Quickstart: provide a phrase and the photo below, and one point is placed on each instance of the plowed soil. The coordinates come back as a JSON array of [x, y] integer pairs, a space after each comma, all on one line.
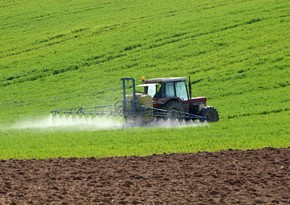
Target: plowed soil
[[227, 177]]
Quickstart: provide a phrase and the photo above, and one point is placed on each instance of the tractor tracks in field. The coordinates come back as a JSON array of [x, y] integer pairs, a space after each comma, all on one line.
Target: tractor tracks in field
[[259, 113], [130, 51], [159, 42]]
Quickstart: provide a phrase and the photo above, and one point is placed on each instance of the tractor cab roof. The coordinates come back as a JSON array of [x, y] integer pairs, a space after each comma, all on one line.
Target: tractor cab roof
[[162, 80]]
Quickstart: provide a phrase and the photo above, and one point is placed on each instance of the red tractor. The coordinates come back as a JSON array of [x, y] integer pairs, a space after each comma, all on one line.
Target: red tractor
[[167, 98]]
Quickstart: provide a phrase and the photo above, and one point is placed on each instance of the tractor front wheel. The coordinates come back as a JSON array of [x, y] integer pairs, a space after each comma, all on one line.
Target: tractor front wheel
[[210, 114]]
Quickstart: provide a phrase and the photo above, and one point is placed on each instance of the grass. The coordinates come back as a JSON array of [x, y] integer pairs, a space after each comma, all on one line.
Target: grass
[[66, 54]]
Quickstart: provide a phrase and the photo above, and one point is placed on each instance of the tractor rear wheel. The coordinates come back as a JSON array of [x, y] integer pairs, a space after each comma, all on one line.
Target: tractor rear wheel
[[175, 111], [210, 114]]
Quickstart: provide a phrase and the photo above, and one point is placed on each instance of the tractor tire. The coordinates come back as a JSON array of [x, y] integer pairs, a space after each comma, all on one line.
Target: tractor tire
[[175, 111], [210, 114]]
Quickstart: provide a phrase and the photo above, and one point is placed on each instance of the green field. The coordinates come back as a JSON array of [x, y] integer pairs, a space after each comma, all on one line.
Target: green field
[[69, 53]]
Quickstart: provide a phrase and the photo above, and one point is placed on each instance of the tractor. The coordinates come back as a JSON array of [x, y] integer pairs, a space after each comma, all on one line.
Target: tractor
[[166, 98], [159, 99]]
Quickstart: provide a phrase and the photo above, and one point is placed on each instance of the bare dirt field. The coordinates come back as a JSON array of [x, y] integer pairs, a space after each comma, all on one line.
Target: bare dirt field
[[227, 177]]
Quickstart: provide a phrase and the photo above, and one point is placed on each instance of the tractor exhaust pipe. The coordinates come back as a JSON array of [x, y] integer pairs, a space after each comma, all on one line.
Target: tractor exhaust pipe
[[189, 87]]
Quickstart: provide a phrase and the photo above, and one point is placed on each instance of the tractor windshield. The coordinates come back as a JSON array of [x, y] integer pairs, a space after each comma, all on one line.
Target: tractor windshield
[[176, 89], [181, 91]]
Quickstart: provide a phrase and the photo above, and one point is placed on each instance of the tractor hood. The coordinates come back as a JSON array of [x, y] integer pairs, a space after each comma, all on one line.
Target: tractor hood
[[198, 100]]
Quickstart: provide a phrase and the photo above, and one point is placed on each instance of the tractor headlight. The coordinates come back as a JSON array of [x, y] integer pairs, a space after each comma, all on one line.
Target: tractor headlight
[[201, 106]]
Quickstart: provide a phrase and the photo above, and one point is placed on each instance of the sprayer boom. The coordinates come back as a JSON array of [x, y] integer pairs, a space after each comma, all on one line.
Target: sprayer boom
[[105, 110]]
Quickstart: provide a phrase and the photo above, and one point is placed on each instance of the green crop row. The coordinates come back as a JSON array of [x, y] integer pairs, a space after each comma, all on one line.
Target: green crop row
[[250, 132], [67, 54]]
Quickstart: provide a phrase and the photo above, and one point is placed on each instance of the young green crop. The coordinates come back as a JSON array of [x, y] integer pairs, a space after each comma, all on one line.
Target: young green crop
[[247, 132], [69, 54]]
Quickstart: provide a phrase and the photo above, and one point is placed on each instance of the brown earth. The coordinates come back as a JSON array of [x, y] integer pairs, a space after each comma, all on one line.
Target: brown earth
[[227, 177]]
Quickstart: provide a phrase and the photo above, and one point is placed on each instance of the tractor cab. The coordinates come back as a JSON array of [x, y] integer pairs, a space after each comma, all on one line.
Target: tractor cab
[[174, 94], [163, 90], [166, 88]]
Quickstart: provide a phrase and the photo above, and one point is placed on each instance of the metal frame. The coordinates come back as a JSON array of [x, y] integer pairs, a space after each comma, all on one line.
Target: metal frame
[[134, 101]]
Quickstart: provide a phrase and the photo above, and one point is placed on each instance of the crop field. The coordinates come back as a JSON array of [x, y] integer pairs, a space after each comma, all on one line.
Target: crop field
[[47, 143], [64, 54]]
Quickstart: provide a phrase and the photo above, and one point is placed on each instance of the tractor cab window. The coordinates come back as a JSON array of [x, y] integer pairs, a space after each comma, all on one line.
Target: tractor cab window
[[181, 91], [151, 90], [169, 90], [158, 93], [176, 89]]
